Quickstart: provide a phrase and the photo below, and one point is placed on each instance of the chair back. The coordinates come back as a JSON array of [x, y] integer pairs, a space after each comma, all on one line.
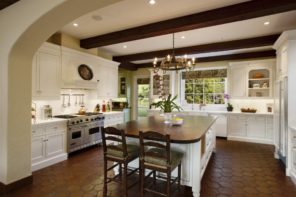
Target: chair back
[[152, 139], [111, 137]]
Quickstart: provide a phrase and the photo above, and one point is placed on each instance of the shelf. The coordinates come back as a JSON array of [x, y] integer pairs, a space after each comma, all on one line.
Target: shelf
[[259, 79], [258, 88]]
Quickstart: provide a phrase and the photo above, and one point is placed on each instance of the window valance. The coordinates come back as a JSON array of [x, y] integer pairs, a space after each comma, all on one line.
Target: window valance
[[204, 74]]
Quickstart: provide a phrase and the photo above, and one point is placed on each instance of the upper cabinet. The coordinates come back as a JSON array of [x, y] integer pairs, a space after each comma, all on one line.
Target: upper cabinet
[[251, 79], [46, 76]]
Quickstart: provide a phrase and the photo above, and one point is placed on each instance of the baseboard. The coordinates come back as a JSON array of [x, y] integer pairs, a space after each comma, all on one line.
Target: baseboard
[[4, 189], [49, 162], [244, 139], [293, 177]]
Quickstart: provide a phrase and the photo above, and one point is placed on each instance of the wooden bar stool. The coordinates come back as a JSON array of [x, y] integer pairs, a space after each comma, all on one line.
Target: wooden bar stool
[[121, 153], [156, 155]]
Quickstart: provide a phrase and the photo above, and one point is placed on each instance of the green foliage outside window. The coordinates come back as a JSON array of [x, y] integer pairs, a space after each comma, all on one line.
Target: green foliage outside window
[[205, 90]]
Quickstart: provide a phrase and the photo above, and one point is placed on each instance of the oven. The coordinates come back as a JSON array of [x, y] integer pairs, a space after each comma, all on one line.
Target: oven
[[75, 137], [93, 133]]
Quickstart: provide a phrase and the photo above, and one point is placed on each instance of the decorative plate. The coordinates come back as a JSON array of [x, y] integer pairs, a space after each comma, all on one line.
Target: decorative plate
[[85, 72]]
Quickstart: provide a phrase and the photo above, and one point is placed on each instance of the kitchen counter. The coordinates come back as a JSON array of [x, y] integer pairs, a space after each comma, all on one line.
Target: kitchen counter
[[52, 120]]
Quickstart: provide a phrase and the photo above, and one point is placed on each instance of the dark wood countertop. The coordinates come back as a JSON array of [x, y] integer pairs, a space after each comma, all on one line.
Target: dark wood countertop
[[192, 129]]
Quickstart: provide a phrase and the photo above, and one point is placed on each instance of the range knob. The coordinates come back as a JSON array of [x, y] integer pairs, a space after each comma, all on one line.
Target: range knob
[[81, 120], [73, 122], [86, 119], [91, 119], [77, 121]]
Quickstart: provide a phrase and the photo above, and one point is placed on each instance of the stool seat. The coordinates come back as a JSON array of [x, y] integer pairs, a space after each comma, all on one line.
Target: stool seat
[[133, 151], [176, 158]]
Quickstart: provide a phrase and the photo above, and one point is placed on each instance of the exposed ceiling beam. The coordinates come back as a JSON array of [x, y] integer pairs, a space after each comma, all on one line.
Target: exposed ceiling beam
[[239, 56], [233, 13], [6, 3], [206, 48], [128, 66]]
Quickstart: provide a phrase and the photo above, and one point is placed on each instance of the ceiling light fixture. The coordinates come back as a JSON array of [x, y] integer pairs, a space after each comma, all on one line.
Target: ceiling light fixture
[[124, 46], [172, 63], [152, 2], [183, 37], [75, 24], [266, 23]]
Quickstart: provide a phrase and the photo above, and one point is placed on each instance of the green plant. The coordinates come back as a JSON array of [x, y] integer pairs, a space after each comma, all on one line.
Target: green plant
[[229, 105], [167, 104]]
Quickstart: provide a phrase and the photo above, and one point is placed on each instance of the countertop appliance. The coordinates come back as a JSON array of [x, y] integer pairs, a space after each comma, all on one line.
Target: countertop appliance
[[83, 130]]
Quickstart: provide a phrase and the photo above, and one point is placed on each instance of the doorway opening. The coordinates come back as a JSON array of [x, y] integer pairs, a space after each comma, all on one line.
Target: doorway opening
[[143, 100]]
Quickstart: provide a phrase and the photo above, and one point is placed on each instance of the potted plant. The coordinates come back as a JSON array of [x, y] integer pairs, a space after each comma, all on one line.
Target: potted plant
[[229, 106], [167, 105]]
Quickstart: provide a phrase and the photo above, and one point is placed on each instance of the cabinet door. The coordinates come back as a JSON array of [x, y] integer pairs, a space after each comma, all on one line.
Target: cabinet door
[[238, 82], [236, 125], [49, 74], [38, 149], [269, 128], [256, 127], [294, 159], [108, 82], [55, 144], [220, 125]]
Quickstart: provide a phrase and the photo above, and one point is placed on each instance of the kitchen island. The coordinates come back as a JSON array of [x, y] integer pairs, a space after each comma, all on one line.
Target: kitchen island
[[194, 138]]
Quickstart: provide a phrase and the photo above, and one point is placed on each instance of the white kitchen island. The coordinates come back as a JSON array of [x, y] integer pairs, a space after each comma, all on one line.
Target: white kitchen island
[[194, 138]]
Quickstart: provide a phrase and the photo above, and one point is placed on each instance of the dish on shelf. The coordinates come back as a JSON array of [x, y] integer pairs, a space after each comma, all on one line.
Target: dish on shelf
[[248, 110], [258, 75]]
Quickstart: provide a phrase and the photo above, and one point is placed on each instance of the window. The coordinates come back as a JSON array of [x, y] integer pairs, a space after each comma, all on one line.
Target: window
[[206, 87]]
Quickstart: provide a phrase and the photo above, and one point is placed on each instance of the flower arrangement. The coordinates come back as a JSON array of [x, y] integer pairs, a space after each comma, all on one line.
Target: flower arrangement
[[229, 105]]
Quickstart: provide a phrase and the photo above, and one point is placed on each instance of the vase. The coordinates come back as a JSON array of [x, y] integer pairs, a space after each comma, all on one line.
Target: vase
[[229, 108], [167, 118]]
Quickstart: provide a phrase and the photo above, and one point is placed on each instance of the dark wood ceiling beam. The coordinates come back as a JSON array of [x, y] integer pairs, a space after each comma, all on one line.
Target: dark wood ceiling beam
[[6, 3], [239, 56], [128, 66], [206, 48], [233, 13]]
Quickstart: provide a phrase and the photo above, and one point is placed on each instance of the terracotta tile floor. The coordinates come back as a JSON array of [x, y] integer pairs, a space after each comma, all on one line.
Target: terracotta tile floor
[[237, 169]]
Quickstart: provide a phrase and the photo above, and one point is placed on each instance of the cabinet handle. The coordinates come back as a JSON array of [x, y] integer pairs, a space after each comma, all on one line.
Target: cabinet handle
[[55, 127]]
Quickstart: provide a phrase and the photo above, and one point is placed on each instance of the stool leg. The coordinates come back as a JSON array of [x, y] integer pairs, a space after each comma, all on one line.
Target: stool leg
[[168, 183], [142, 176], [105, 178], [120, 170], [179, 177], [125, 180], [154, 177]]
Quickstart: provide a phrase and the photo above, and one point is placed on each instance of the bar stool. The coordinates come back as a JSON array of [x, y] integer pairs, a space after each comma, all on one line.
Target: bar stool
[[156, 155], [121, 153]]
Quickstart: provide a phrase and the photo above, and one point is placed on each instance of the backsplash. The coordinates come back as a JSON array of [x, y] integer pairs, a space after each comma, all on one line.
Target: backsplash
[[89, 99]]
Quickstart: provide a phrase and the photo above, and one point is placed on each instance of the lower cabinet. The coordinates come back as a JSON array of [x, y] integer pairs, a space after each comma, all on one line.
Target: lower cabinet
[[220, 125], [292, 148], [250, 128], [48, 144]]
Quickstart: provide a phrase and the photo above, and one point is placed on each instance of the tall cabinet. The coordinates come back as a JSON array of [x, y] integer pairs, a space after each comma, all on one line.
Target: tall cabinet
[[284, 120]]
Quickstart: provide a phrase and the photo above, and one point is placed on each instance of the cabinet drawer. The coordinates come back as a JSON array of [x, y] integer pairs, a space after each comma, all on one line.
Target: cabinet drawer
[[294, 158], [37, 130], [54, 128]]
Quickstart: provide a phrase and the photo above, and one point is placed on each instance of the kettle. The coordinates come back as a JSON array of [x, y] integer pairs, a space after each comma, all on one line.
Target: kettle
[[81, 110]]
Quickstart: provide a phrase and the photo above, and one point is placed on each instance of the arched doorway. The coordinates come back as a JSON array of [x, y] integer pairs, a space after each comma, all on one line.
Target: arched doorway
[[24, 27]]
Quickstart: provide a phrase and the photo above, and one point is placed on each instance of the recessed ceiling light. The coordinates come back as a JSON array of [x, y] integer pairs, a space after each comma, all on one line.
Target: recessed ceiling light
[[75, 24], [96, 17], [183, 37], [124, 46], [266, 23], [152, 2]]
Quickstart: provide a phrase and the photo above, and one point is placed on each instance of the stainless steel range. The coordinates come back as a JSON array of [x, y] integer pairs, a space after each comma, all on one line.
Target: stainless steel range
[[83, 130]]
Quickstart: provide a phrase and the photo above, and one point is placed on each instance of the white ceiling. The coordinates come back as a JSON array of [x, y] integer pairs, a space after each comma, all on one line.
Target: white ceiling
[[132, 13]]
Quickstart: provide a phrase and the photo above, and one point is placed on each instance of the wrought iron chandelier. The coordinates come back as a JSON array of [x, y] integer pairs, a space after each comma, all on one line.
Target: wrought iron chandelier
[[173, 63]]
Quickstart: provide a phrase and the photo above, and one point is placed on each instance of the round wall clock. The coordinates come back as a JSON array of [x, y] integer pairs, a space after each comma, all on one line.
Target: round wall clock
[[85, 72]]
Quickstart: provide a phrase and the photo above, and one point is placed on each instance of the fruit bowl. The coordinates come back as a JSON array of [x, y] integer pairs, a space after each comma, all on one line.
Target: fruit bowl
[[177, 121], [248, 110]]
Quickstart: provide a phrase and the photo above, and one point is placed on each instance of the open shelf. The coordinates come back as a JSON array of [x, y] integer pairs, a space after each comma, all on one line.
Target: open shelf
[[259, 83]]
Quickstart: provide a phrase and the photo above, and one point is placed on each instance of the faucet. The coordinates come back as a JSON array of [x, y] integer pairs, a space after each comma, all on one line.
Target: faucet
[[201, 105]]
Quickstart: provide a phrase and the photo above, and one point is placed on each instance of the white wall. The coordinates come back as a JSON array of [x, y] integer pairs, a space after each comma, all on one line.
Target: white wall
[[26, 25]]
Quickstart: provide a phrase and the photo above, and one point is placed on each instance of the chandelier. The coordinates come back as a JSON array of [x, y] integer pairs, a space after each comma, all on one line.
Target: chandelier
[[173, 63]]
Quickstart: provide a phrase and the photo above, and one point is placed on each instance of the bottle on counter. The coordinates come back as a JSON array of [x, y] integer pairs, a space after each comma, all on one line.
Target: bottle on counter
[[46, 112], [97, 108], [104, 107], [108, 107]]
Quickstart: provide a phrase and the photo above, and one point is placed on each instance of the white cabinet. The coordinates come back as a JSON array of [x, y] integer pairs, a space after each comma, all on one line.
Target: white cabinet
[[250, 128], [251, 79], [237, 81], [237, 125], [48, 144], [107, 76], [220, 125], [113, 118], [46, 76]]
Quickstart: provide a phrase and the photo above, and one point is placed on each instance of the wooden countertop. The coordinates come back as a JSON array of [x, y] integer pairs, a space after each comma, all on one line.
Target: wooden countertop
[[192, 129]]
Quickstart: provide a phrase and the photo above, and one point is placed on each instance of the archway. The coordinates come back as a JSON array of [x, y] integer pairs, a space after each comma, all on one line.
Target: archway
[[24, 27]]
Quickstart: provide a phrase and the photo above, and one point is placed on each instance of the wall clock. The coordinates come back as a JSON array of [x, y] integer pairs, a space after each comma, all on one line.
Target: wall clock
[[85, 72]]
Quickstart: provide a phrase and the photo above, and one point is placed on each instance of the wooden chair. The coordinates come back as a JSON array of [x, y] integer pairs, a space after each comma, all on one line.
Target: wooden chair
[[156, 155], [120, 153]]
